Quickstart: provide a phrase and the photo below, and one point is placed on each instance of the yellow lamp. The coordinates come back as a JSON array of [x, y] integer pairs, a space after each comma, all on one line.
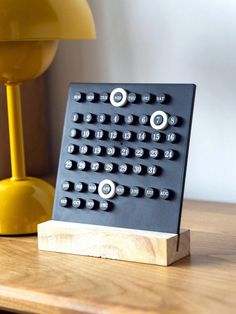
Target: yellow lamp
[[29, 34]]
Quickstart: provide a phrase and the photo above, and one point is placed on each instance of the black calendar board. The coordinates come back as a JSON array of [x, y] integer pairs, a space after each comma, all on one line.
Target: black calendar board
[[124, 154]]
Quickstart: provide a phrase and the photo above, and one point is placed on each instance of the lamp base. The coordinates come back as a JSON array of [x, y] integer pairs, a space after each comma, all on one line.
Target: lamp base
[[24, 204]]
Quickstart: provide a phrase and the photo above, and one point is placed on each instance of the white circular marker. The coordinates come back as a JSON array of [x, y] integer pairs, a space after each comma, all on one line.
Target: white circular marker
[[123, 97], [159, 120], [107, 189]]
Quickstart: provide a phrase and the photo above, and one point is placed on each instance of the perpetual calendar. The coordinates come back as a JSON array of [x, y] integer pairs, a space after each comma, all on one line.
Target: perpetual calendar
[[124, 154]]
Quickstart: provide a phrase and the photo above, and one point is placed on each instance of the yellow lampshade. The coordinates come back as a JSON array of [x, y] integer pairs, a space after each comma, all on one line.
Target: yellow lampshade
[[45, 20]]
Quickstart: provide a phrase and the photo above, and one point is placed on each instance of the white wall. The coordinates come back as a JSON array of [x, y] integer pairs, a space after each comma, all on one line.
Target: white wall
[[189, 41]]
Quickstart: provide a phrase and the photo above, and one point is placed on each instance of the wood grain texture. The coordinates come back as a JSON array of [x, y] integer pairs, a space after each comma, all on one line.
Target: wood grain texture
[[114, 243], [33, 281], [36, 130]]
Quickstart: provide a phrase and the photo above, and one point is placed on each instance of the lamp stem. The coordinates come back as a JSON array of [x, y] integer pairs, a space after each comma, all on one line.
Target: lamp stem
[[15, 131]]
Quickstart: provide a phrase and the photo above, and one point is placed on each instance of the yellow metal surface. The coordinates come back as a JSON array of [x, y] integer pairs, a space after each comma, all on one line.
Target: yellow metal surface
[[45, 19], [24, 202], [15, 132], [21, 61], [23, 205]]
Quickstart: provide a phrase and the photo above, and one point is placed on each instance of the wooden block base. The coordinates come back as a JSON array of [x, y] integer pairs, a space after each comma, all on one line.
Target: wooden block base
[[114, 243]]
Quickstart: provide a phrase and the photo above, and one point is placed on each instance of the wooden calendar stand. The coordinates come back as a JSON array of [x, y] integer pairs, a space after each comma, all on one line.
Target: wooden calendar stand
[[114, 243]]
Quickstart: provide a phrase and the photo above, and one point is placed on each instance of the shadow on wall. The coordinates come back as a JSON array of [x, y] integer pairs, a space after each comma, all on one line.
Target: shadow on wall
[[123, 53]]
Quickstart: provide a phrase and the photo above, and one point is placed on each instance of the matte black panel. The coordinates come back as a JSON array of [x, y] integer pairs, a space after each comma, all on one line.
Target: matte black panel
[[142, 212]]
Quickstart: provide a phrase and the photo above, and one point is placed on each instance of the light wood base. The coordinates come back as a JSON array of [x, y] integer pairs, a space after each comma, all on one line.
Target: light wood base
[[114, 243]]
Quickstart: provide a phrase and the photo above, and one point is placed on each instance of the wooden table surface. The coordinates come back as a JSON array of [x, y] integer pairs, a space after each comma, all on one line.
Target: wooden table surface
[[42, 282]]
